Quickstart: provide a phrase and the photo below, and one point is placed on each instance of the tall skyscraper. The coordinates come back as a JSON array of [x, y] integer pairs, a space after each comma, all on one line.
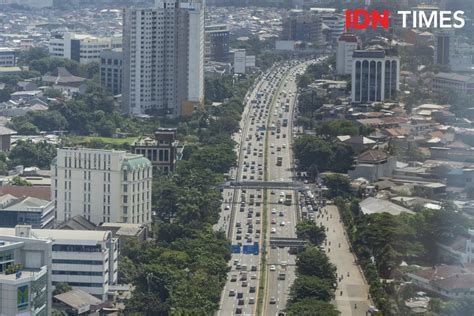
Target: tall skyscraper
[[163, 58], [301, 25], [346, 45], [375, 76], [217, 43], [443, 47]]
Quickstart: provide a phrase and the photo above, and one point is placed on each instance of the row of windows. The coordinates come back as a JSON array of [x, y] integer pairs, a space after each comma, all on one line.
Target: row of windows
[[84, 284], [77, 248], [59, 272], [85, 262]]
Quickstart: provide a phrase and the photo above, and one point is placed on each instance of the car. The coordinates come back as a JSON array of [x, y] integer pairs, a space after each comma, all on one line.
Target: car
[[244, 284], [253, 277], [273, 231], [273, 300], [227, 207], [281, 201], [232, 293], [272, 267], [253, 268], [233, 278], [282, 223], [241, 302], [251, 300], [240, 295], [238, 311], [274, 221], [274, 211]]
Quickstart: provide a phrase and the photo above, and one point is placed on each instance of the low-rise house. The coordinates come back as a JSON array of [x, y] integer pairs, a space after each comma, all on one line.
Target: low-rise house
[[372, 205], [373, 165], [449, 281], [26, 210], [358, 143], [64, 81], [5, 138]]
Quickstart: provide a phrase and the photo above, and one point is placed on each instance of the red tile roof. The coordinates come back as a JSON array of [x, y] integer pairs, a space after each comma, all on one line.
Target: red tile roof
[[40, 192]]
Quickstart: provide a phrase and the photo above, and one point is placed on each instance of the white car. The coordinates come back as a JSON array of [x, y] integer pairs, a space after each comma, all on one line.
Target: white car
[[273, 231], [274, 211], [282, 223], [272, 268]]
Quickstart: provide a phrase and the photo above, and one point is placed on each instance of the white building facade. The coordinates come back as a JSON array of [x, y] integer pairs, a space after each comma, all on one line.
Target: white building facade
[[82, 48], [375, 76], [7, 57], [102, 186], [163, 51], [346, 46], [86, 260], [28, 290]]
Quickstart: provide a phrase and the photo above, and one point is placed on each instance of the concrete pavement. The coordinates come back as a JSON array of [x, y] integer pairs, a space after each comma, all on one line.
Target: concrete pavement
[[355, 291]]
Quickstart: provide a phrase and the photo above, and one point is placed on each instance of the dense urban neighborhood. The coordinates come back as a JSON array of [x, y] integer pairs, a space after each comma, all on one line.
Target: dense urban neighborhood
[[224, 157]]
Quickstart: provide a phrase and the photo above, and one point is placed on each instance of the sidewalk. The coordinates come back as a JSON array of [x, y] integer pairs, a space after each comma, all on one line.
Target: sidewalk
[[355, 291]]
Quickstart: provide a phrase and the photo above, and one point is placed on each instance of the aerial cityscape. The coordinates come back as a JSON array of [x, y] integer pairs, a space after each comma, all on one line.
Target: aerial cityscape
[[237, 157]]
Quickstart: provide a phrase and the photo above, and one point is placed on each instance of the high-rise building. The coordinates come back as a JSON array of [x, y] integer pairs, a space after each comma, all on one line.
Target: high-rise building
[[111, 70], [83, 48], [101, 185], [301, 25], [375, 76], [443, 47], [346, 46], [25, 273], [217, 43], [163, 58]]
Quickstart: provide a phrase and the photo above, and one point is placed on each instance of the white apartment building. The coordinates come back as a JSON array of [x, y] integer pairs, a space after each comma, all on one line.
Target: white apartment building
[[82, 48], [101, 185], [86, 260], [163, 58], [27, 290], [346, 46]]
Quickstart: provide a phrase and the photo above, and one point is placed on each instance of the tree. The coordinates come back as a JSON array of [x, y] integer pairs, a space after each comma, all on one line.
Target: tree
[[19, 181], [61, 287], [311, 287], [26, 128], [314, 262], [313, 307], [309, 230], [338, 185], [29, 154]]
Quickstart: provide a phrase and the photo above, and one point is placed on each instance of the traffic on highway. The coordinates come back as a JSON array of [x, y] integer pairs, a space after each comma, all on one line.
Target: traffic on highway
[[250, 216]]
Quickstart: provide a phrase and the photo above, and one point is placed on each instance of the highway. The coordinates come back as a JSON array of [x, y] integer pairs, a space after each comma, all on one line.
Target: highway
[[264, 136]]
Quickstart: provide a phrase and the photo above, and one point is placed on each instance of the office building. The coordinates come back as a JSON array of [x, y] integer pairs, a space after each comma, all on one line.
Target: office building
[[242, 61], [217, 43], [101, 185], [83, 48], [375, 76], [25, 273], [452, 82], [163, 150], [111, 70], [301, 25], [163, 58], [26, 210], [346, 46], [443, 47], [7, 57], [86, 260]]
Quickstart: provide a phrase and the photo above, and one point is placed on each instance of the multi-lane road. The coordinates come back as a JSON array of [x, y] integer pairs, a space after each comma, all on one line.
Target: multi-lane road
[[265, 138]]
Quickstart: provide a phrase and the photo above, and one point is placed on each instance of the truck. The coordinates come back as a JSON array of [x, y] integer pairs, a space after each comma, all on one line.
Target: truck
[[279, 161], [281, 275], [288, 199]]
